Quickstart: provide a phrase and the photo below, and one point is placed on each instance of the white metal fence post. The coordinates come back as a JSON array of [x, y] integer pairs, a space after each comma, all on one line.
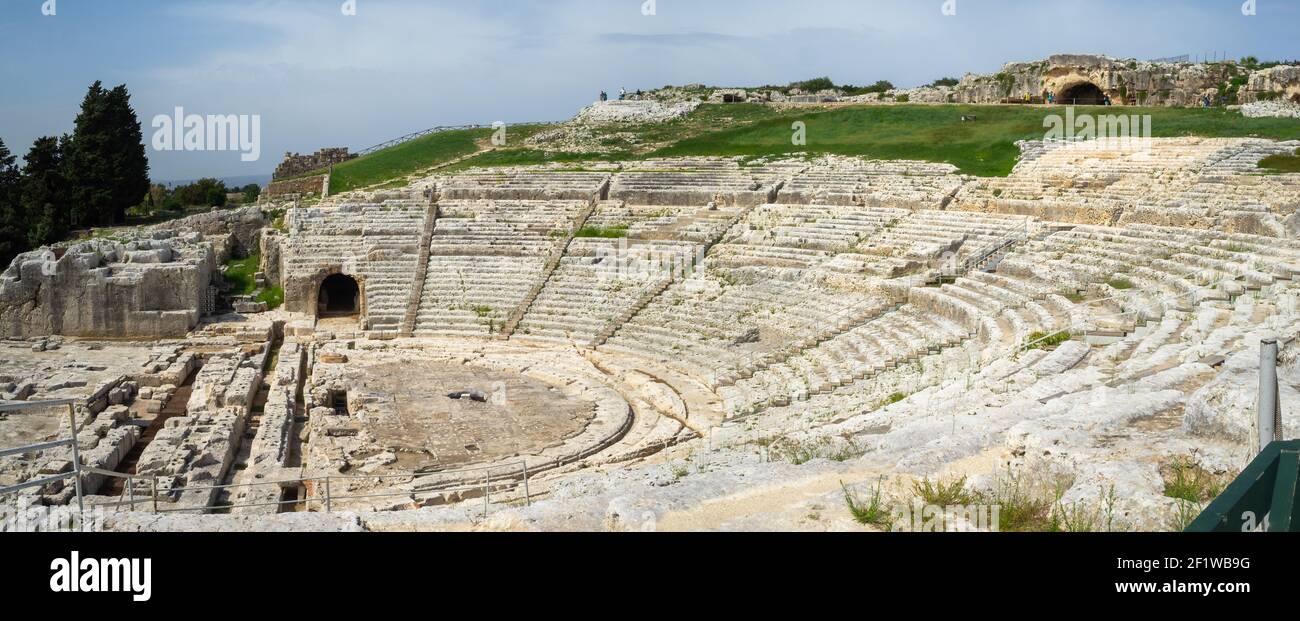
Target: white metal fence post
[[76, 469], [1269, 413]]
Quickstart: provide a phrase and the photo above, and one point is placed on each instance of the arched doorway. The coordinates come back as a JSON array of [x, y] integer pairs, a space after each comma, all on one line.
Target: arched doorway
[[339, 296], [1082, 94]]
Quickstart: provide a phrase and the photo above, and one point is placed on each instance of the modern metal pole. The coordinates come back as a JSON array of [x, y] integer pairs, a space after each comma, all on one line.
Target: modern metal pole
[[76, 469], [1269, 423]]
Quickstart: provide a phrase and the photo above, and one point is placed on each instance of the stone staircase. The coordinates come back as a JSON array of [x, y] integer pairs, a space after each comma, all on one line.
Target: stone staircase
[[609, 331], [552, 262], [421, 270], [613, 325]]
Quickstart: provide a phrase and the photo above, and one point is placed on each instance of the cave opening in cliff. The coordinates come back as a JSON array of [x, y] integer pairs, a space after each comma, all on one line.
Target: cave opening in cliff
[[1082, 94]]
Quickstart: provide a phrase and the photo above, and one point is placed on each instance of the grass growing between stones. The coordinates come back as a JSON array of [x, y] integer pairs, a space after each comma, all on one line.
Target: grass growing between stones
[[869, 510], [1281, 163], [1042, 340], [239, 275], [611, 232], [273, 296]]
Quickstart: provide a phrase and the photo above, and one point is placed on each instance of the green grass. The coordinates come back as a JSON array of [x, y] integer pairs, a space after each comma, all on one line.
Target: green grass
[[1281, 163], [943, 494], [273, 296], [612, 232], [1042, 340], [533, 157], [405, 159], [870, 511], [1120, 283], [985, 147], [239, 273], [935, 133], [1186, 480]]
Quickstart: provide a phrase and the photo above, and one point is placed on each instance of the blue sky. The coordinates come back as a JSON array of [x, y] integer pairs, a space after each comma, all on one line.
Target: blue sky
[[321, 78]]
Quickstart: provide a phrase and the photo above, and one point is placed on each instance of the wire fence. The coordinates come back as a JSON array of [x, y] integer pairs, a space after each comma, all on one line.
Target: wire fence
[[441, 129]]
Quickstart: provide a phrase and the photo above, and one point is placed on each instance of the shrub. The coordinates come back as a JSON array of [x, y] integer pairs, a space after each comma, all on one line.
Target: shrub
[[870, 511]]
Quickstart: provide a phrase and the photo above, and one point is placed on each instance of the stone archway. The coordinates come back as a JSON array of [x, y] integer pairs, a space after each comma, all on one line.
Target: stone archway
[[1081, 94], [339, 295]]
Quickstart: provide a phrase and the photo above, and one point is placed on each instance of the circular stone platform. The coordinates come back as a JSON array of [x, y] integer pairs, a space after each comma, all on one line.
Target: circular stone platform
[[383, 411], [427, 428]]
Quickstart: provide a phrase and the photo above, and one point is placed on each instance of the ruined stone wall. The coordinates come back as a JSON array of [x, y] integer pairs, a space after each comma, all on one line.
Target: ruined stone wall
[[244, 225], [306, 185], [295, 164], [150, 288]]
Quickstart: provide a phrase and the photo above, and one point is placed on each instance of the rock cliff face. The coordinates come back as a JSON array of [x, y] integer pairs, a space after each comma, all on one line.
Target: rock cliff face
[[1086, 79], [151, 287]]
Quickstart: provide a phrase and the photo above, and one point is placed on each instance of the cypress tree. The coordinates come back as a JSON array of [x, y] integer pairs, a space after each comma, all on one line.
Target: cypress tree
[[88, 161], [131, 165], [13, 223], [44, 199], [106, 162]]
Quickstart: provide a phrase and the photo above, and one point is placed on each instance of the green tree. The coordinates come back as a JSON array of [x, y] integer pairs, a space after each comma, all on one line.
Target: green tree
[[106, 161], [44, 201], [251, 192], [131, 171], [205, 192], [13, 223]]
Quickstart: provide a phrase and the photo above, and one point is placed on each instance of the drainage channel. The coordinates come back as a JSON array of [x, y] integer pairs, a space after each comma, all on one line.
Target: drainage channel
[[176, 407]]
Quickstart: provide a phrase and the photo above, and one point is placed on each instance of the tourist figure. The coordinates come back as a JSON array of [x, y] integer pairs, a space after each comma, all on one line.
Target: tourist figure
[[622, 94], [604, 96]]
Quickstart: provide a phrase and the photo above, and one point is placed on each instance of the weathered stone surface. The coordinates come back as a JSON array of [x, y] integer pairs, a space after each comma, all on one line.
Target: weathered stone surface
[[92, 289]]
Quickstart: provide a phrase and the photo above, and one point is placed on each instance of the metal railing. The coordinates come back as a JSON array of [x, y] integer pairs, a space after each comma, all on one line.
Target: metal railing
[[74, 473], [320, 489], [440, 129], [1003, 244]]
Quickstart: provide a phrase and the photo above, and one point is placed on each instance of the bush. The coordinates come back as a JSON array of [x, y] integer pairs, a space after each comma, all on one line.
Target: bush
[[814, 85], [880, 86], [204, 192]]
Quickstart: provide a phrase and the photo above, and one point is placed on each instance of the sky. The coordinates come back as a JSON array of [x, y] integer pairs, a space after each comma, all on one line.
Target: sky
[[317, 77]]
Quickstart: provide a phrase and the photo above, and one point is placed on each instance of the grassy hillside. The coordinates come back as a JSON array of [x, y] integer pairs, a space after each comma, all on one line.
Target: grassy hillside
[[985, 147], [405, 158]]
